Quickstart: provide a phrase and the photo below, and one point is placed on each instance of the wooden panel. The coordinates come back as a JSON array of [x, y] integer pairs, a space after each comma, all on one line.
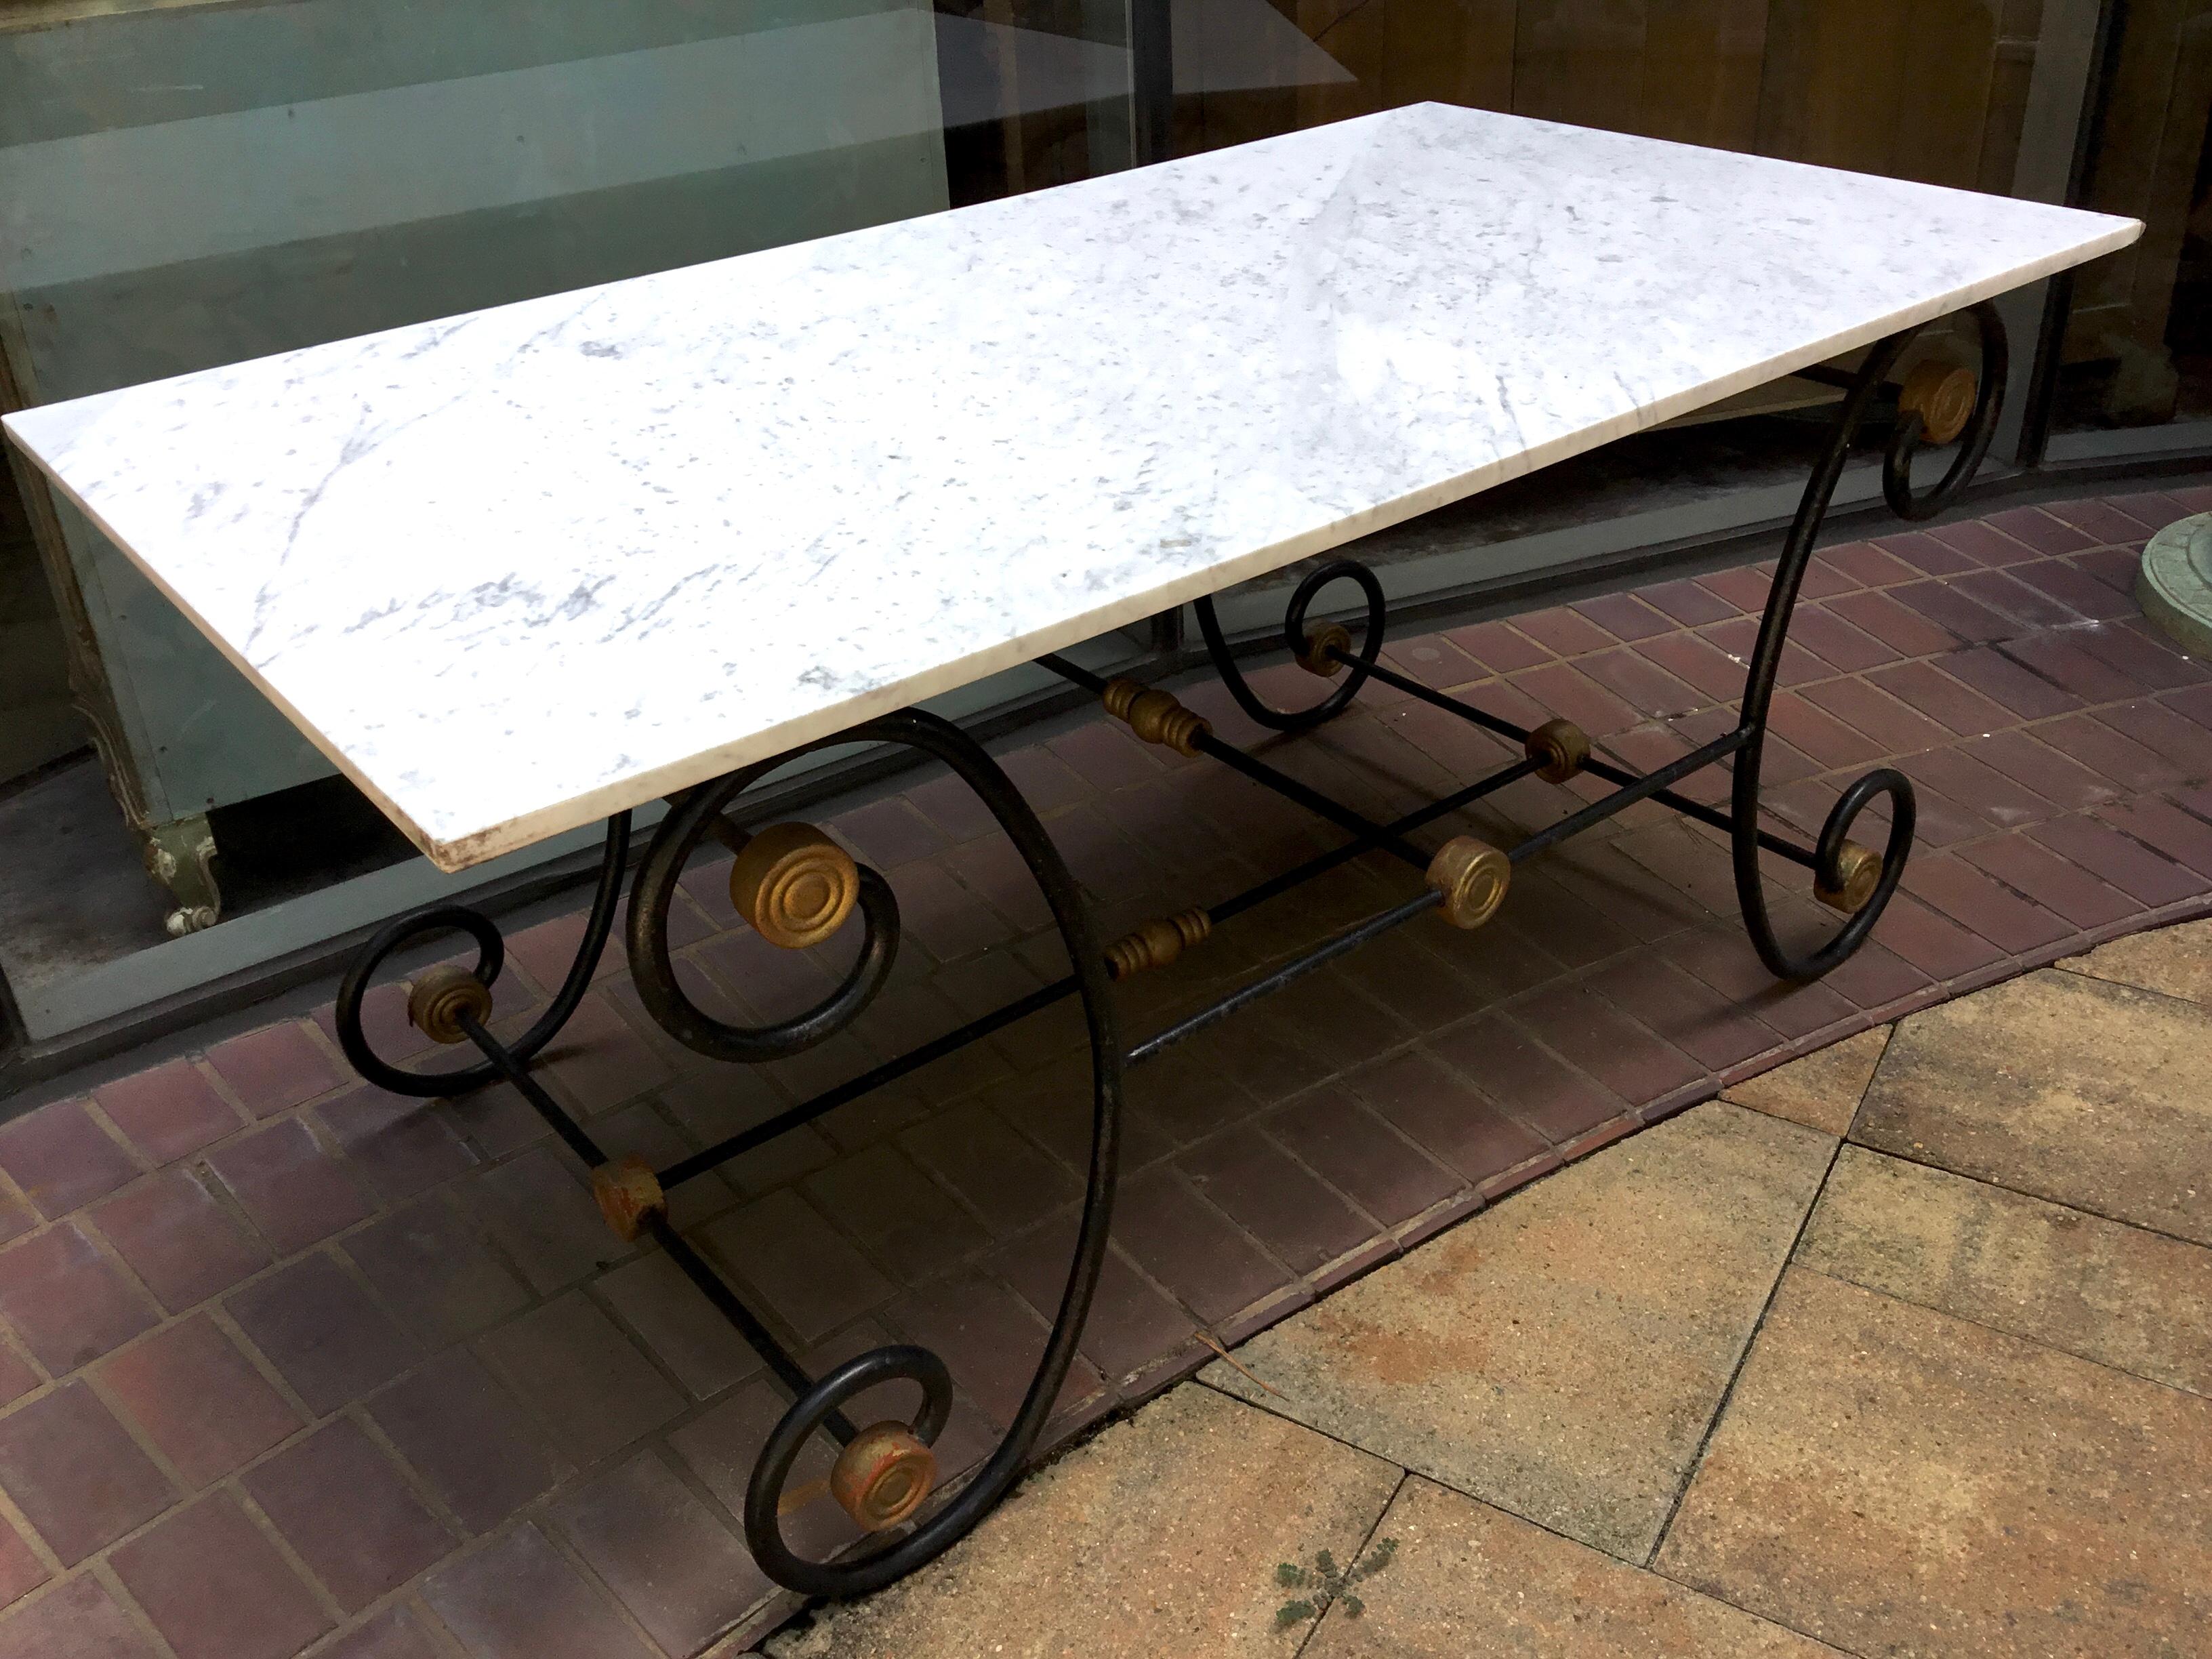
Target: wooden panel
[[1041, 146], [1944, 75], [1686, 69], [1897, 87], [1355, 33], [1831, 93], [1580, 61], [1456, 51], [1318, 17], [1225, 35], [2010, 77], [1702, 65], [2172, 183]]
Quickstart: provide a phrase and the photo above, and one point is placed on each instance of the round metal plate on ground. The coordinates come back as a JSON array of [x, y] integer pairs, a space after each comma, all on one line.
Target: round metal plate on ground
[[2175, 583]]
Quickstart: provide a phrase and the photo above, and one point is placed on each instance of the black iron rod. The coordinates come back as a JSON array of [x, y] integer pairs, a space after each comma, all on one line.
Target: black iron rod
[[1844, 377], [1329, 860], [1073, 673], [711, 1285], [1705, 814], [1649, 783], [891, 1071], [711, 1158], [508, 1067], [1376, 835], [1429, 694], [695, 1268], [1319, 957], [1368, 836], [1605, 769]]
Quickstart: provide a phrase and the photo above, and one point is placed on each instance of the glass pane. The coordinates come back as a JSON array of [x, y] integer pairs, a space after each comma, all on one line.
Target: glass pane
[[186, 186], [1036, 91], [2137, 350]]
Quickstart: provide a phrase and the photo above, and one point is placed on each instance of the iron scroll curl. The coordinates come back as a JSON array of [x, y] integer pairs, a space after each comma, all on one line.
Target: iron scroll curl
[[654, 970], [491, 956], [1312, 650], [1973, 442]]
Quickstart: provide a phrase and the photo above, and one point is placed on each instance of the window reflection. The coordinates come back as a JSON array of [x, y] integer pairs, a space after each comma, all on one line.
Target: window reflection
[[2138, 348], [1932, 90]]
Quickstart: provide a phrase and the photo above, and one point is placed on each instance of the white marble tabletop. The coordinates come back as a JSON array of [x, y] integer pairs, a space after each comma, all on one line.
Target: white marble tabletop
[[519, 570]]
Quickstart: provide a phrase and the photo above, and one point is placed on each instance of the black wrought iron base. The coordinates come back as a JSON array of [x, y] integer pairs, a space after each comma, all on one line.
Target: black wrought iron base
[[796, 887]]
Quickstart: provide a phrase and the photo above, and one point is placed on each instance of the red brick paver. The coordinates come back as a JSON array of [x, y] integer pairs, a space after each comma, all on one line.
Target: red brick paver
[[285, 1361]]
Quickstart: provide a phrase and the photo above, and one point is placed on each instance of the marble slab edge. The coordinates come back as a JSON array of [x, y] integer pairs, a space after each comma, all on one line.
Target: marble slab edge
[[460, 853]]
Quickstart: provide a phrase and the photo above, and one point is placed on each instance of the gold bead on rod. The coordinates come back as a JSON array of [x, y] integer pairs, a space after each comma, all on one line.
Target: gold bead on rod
[[1157, 943], [1155, 716], [1318, 657], [883, 1476], [1473, 876], [1943, 395], [1858, 869], [1562, 746], [438, 997], [627, 1192], [793, 884]]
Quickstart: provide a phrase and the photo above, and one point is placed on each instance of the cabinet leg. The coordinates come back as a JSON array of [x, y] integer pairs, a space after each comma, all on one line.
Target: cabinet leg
[[180, 855]]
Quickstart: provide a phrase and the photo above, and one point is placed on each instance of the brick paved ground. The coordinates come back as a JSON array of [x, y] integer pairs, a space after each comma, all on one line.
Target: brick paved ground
[[1905, 1347], [294, 1367]]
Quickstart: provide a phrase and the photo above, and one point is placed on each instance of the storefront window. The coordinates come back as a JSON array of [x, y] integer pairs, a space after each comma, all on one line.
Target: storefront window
[[2137, 346], [187, 185]]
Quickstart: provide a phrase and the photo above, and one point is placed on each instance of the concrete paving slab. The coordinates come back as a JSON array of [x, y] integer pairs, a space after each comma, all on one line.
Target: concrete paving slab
[[1158, 1539], [2089, 1094], [1561, 1354], [2100, 1289], [1822, 1089], [1469, 1581], [2175, 960], [1898, 1482]]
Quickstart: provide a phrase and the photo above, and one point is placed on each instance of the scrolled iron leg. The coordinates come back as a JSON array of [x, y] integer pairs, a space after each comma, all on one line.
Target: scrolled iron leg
[[794, 887], [1847, 876], [883, 1475]]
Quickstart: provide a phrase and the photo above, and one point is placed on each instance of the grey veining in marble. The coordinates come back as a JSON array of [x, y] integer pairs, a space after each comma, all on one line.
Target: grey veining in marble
[[518, 569]]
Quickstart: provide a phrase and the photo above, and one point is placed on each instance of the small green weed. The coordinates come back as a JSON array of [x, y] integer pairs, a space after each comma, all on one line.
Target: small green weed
[[1324, 1582]]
